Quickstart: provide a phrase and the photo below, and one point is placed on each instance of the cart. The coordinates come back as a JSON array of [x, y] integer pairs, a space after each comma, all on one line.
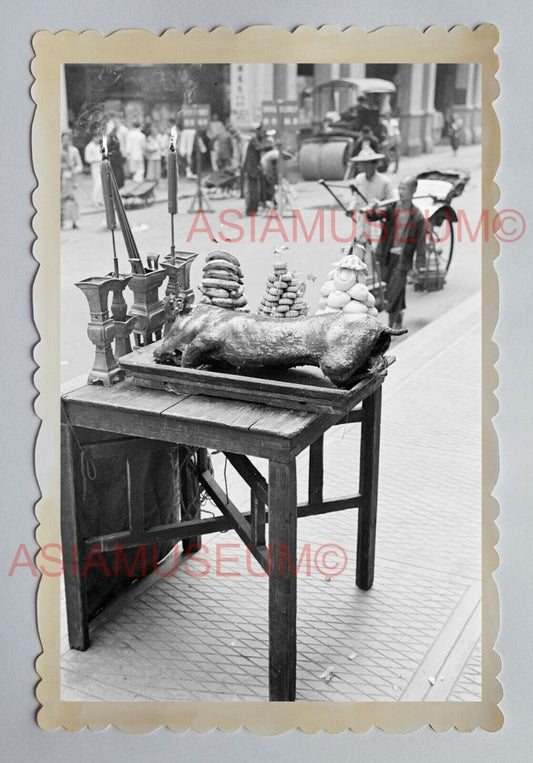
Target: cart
[[434, 194], [141, 194], [223, 183]]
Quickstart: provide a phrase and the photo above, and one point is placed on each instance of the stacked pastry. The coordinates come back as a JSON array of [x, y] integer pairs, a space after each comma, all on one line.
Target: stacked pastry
[[345, 289], [283, 297], [223, 282]]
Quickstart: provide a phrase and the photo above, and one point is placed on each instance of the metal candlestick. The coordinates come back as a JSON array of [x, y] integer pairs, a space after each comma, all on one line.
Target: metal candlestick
[[123, 324], [147, 309], [101, 329], [177, 266]]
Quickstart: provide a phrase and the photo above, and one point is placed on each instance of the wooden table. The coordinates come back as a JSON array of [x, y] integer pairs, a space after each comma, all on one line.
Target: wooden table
[[239, 429]]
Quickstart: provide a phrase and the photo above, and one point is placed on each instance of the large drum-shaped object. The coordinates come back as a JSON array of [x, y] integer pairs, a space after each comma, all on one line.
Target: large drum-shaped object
[[325, 159], [309, 159]]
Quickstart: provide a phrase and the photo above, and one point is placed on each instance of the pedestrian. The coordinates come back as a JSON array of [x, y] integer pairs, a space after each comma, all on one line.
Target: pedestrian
[[236, 140], [185, 149], [215, 128], [201, 153], [71, 166], [223, 149], [369, 187], [135, 148], [252, 170], [115, 155], [269, 169], [93, 157], [366, 140], [153, 154], [402, 246], [454, 132]]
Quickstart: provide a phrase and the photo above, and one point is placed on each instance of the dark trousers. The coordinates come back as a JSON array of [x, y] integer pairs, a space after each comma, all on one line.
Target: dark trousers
[[252, 193]]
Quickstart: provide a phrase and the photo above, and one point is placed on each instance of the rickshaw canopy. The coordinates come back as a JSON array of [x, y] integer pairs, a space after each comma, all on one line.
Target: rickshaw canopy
[[362, 84], [342, 95]]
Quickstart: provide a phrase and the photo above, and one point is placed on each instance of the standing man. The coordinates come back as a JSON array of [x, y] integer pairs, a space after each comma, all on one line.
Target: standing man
[[215, 128], [401, 246], [366, 140], [71, 165], [252, 170], [93, 156], [224, 149], [369, 187], [135, 150]]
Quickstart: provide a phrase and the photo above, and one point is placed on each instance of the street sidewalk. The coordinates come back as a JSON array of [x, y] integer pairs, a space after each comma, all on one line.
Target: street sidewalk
[[414, 636]]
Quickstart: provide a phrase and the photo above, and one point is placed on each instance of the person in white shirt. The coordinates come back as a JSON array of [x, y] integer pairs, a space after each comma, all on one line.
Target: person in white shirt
[[71, 166], [135, 150], [369, 187], [153, 154], [93, 156]]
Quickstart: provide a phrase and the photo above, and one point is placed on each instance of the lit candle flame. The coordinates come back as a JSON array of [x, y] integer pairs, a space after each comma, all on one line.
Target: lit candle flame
[[104, 146], [173, 138]]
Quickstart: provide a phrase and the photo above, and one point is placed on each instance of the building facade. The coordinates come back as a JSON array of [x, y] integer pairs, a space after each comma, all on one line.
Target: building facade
[[427, 95]]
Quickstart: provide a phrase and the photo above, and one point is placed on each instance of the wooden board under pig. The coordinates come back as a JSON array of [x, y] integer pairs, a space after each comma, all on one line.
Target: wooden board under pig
[[303, 388]]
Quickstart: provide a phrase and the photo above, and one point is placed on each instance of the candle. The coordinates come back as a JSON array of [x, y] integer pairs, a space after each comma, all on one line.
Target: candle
[[172, 173], [105, 173]]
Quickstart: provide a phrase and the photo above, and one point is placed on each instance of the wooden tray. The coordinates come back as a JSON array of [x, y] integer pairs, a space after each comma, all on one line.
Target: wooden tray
[[304, 388]]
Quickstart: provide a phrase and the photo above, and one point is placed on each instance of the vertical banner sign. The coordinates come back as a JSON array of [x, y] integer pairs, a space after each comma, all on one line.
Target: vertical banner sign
[[196, 116], [269, 115], [281, 116], [287, 116]]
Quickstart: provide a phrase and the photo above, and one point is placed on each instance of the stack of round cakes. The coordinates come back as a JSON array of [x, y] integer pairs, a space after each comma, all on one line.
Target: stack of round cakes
[[223, 282], [345, 289], [283, 297]]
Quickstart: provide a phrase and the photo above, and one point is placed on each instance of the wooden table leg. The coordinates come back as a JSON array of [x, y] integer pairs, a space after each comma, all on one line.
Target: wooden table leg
[[282, 581], [368, 488], [190, 500], [316, 470], [72, 543]]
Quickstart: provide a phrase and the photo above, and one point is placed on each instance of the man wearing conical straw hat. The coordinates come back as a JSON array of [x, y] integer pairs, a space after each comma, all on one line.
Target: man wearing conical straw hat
[[369, 187]]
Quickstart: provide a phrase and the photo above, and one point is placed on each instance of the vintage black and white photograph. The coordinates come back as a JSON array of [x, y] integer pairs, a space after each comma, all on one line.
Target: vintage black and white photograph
[[273, 443], [271, 403]]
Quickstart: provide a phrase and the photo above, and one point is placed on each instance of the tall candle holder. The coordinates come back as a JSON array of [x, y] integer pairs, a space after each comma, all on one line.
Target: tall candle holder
[[101, 329], [147, 309], [123, 323], [179, 294]]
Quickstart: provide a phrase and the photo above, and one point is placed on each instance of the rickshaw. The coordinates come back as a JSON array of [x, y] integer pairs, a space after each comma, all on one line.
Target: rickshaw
[[435, 192], [341, 107]]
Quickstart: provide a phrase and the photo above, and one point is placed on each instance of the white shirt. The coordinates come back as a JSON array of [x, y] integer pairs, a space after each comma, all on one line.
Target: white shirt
[[374, 190], [135, 143]]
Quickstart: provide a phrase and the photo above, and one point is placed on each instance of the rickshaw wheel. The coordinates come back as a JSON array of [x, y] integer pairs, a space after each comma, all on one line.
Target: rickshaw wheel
[[440, 238], [439, 249]]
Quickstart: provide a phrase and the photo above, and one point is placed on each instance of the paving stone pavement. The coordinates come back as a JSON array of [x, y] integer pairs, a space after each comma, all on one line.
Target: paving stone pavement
[[201, 632]]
